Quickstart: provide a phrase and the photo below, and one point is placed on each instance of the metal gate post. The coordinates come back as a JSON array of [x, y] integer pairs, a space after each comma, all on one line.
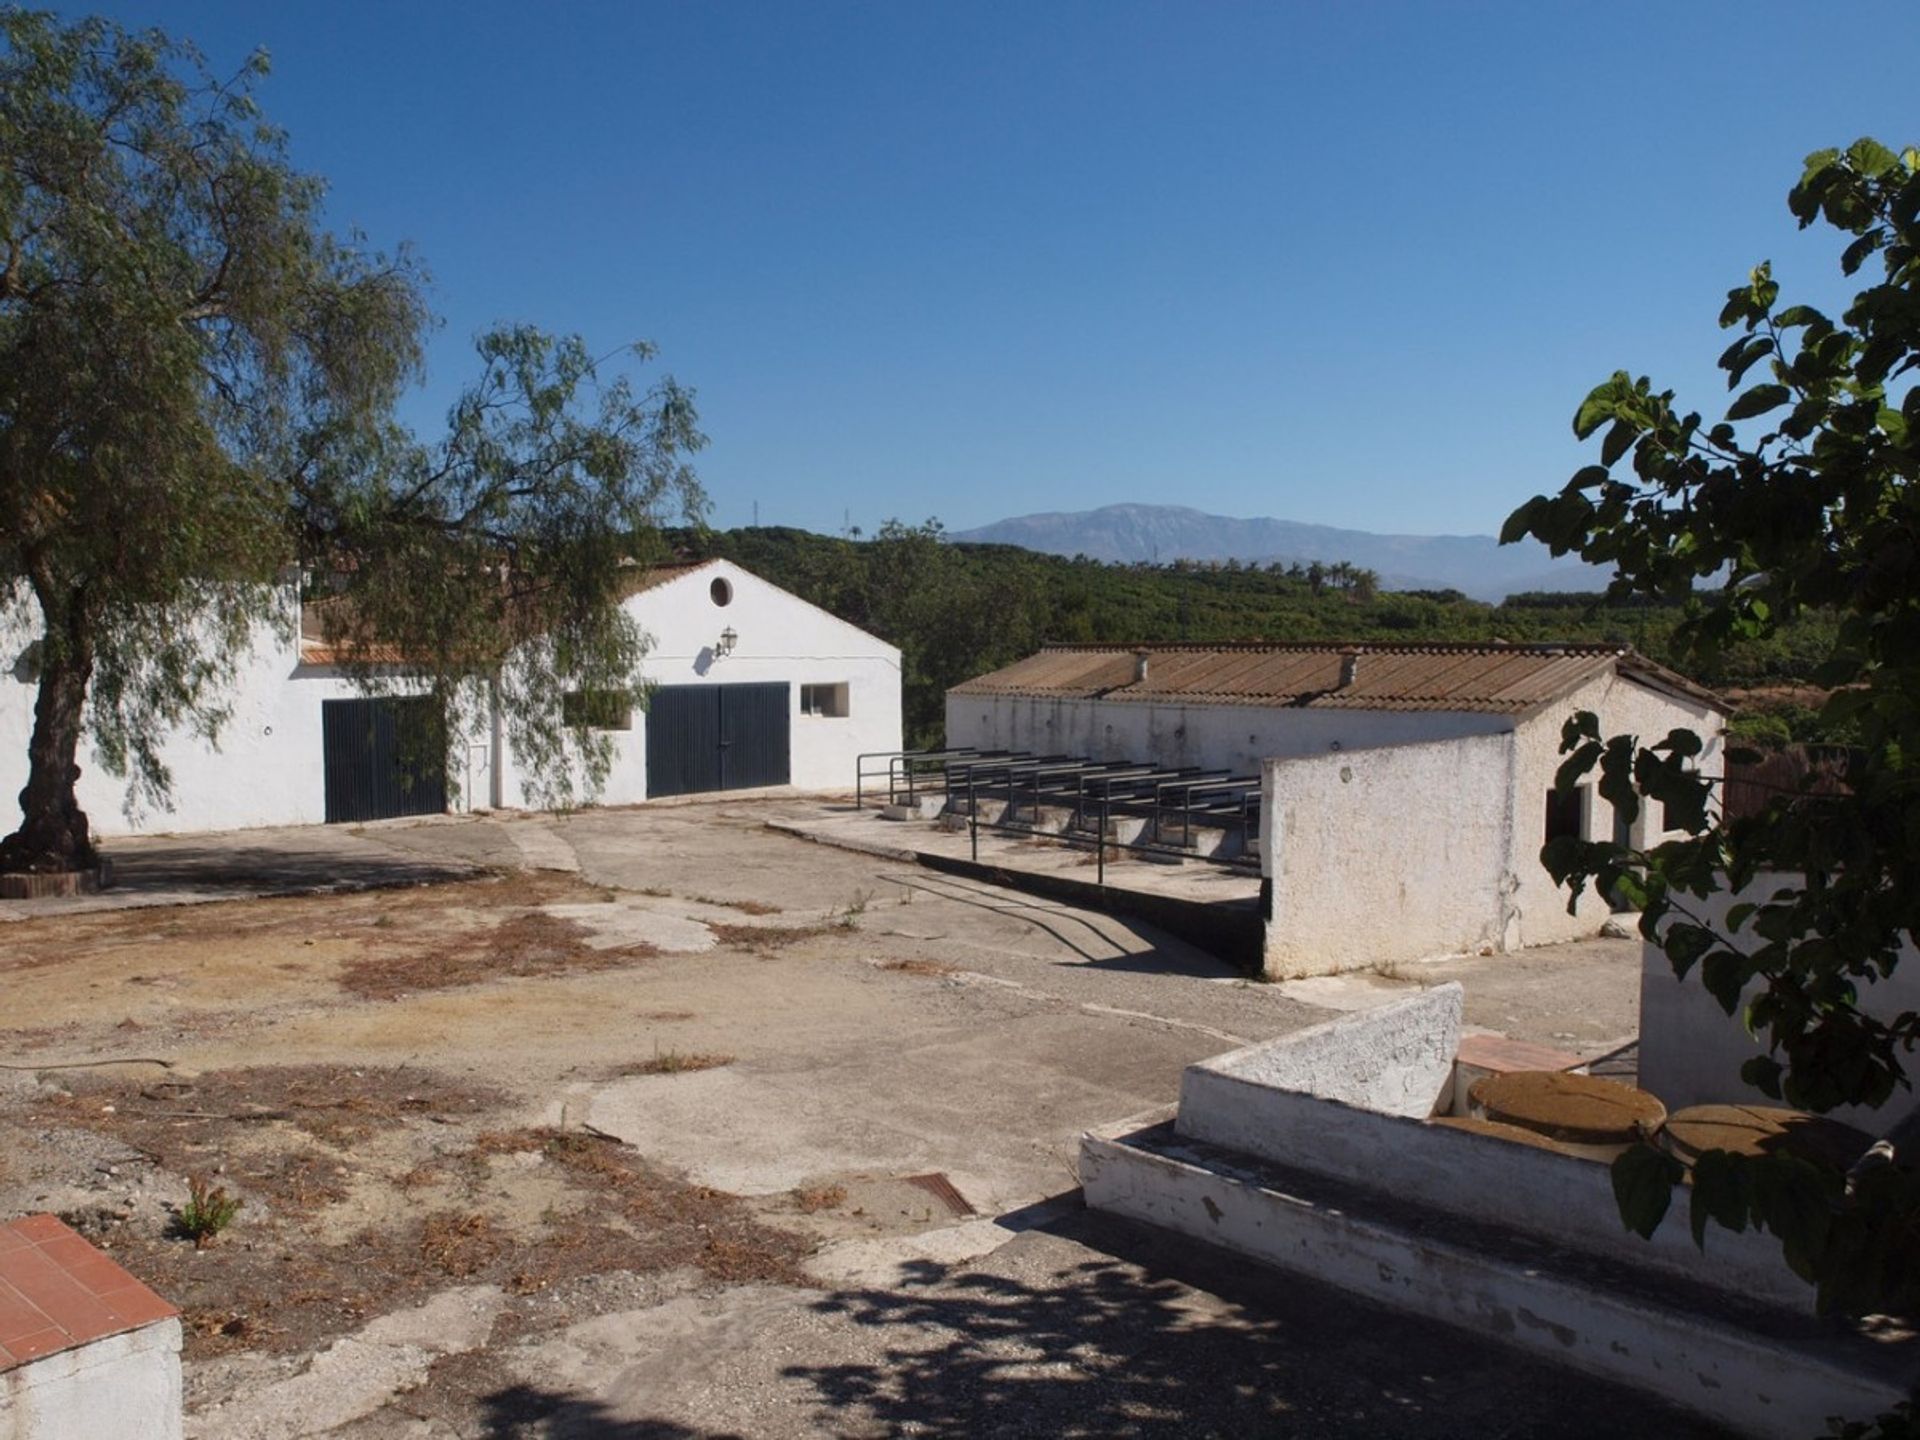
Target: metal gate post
[[1100, 840], [973, 817]]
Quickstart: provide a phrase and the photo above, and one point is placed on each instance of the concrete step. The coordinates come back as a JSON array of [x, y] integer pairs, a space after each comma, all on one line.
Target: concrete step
[[1121, 830], [1220, 842], [1047, 820], [1759, 1370]]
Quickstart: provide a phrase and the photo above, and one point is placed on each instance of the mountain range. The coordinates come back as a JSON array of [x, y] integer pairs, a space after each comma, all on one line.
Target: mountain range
[[1476, 565]]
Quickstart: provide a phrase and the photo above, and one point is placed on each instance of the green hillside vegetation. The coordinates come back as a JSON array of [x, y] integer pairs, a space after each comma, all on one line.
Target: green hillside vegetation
[[958, 610]]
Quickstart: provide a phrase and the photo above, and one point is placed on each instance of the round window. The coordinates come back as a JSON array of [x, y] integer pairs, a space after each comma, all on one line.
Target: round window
[[722, 592]]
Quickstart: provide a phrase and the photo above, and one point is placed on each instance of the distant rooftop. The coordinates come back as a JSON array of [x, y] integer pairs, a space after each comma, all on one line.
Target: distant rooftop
[[1490, 678]]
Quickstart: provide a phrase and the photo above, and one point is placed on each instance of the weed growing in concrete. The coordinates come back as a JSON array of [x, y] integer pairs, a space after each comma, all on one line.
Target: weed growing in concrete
[[208, 1211], [849, 918], [673, 1062]]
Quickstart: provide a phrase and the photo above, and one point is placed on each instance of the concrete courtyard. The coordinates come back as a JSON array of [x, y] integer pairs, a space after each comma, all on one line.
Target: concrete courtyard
[[661, 1122]]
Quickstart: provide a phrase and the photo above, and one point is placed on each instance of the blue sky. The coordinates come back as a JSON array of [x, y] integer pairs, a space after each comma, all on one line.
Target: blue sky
[[1352, 264]]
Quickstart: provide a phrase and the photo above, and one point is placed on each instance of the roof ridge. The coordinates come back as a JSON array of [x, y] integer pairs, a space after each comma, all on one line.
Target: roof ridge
[[1426, 647]]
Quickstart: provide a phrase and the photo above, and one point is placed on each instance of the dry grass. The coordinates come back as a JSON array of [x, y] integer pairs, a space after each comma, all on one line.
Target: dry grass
[[768, 937], [459, 1245], [528, 944], [745, 907], [671, 1222], [812, 1199], [673, 1062]]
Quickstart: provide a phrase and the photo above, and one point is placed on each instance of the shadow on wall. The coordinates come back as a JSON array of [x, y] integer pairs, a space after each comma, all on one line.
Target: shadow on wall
[[1120, 1345]]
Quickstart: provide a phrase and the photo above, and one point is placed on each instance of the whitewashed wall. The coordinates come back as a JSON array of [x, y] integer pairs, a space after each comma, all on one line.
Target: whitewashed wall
[[1232, 737], [1625, 708], [263, 769], [1396, 852], [781, 638], [266, 767]]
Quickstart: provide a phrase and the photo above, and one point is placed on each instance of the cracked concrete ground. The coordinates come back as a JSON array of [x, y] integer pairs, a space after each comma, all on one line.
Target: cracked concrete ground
[[866, 1021]]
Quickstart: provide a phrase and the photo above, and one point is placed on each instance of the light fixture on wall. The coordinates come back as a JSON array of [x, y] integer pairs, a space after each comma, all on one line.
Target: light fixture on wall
[[724, 646]]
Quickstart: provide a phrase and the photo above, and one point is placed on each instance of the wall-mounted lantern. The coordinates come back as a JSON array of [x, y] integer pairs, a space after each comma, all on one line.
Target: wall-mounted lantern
[[728, 639]]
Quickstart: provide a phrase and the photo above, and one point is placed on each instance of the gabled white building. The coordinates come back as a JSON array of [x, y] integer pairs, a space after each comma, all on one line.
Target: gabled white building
[[753, 688]]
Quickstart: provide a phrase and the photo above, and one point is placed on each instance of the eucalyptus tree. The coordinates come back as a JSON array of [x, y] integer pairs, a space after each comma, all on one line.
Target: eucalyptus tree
[[198, 384]]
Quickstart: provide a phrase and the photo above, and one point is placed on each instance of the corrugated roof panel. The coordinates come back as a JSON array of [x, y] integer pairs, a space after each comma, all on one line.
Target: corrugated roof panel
[[1493, 679]]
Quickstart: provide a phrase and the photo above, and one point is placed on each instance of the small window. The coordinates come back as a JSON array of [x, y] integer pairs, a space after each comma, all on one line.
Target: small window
[[1567, 813], [597, 710], [721, 590], [828, 700]]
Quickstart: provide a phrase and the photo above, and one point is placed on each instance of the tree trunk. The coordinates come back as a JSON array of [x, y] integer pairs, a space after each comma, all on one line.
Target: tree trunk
[[53, 834]]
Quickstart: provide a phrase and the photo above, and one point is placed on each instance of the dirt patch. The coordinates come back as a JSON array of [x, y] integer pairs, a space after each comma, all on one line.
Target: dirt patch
[[770, 937], [932, 969], [532, 944], [287, 1134], [745, 907], [194, 970], [812, 1199], [364, 1155], [668, 1222]]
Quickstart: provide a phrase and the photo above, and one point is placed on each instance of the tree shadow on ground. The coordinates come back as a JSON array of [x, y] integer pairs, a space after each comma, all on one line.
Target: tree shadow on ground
[[150, 866], [1156, 1336], [520, 1412], [1130, 1331]]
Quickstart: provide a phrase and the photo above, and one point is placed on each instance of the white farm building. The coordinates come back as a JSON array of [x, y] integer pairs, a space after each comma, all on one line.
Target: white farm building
[[1407, 790], [752, 687]]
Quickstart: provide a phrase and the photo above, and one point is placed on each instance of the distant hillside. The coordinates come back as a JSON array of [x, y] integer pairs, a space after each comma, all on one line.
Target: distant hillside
[[1476, 565], [959, 610]]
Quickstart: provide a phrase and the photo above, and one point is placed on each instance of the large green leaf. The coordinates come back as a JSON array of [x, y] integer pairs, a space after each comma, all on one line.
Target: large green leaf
[[1643, 1181], [1758, 400]]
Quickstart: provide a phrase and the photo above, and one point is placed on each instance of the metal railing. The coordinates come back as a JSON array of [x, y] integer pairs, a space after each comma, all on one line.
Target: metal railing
[[1094, 792]]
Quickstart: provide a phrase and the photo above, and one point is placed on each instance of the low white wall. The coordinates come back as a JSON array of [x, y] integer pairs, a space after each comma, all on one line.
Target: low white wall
[[1395, 853], [1561, 1198], [125, 1387], [1758, 1384], [1691, 1050], [1396, 1058], [1230, 737]]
